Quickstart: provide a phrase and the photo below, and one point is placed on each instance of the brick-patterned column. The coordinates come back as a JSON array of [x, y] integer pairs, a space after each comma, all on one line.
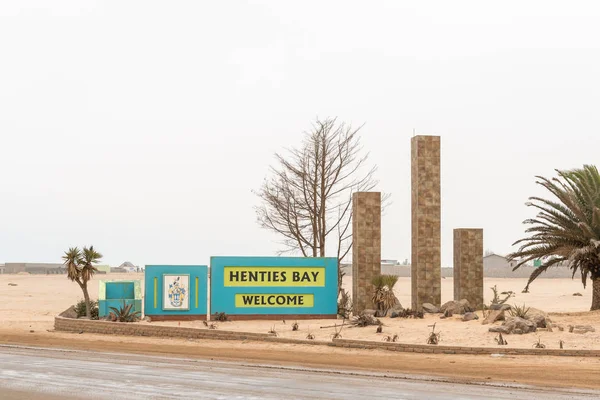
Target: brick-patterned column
[[426, 222], [366, 247], [468, 266]]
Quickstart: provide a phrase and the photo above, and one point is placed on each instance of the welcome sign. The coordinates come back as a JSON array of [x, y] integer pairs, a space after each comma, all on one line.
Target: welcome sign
[[255, 286]]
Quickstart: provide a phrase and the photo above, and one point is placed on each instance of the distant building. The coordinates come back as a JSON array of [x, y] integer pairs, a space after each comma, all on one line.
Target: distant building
[[2, 268], [496, 261], [103, 269], [34, 268], [128, 267]]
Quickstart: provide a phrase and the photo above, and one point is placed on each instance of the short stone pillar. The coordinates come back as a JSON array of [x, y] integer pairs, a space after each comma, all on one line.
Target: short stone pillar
[[468, 266], [366, 247], [426, 281]]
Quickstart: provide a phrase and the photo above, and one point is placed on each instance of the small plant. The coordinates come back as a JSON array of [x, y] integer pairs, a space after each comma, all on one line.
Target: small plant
[[272, 331], [389, 338], [497, 299], [205, 323], [560, 343], [379, 329], [295, 326], [434, 338], [124, 313], [310, 336], [80, 309], [212, 325], [344, 307], [539, 344], [500, 340], [520, 312], [338, 333], [221, 317]]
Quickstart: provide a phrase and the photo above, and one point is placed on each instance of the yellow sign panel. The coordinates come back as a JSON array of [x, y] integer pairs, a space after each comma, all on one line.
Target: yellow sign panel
[[274, 276], [275, 300]]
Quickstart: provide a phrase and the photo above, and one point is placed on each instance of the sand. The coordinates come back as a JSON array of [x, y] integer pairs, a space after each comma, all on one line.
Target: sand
[[33, 303]]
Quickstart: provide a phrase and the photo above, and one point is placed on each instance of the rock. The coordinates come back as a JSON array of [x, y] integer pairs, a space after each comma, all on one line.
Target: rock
[[369, 312], [394, 309], [515, 325], [493, 316], [380, 313], [456, 307], [394, 315], [12, 284], [69, 313], [577, 294], [499, 329], [430, 308], [502, 307], [147, 319], [470, 316], [560, 328], [581, 329], [539, 317]]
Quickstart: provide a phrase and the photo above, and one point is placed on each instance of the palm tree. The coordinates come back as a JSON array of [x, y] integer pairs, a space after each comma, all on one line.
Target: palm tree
[[80, 268], [566, 229]]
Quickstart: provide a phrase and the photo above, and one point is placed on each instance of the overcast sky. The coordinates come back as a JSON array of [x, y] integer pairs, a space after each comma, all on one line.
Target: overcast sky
[[141, 127]]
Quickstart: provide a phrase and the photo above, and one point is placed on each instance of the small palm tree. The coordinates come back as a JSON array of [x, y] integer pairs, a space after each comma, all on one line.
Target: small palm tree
[[566, 229], [80, 268], [383, 292]]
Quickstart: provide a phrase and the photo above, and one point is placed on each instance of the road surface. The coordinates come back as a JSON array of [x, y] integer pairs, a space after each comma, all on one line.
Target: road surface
[[29, 373]]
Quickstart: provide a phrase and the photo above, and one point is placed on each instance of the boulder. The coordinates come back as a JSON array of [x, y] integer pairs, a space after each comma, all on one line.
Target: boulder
[[493, 316], [430, 308], [581, 329], [502, 307], [69, 313], [515, 325], [470, 316], [456, 307], [394, 310], [539, 317]]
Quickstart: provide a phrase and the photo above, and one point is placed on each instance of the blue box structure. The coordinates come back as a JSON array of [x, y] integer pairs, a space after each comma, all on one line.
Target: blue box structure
[[274, 287], [175, 292], [115, 293]]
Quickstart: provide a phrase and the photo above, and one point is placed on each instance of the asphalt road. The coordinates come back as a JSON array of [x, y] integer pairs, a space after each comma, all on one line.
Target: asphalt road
[[27, 373]]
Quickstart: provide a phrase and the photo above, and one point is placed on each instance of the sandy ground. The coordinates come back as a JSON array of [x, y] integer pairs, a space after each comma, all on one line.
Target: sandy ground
[[33, 303]]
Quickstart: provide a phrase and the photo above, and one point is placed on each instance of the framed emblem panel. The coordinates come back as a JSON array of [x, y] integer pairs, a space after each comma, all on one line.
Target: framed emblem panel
[[176, 292]]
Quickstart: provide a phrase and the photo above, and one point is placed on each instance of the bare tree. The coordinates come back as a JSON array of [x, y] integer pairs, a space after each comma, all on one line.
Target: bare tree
[[308, 197]]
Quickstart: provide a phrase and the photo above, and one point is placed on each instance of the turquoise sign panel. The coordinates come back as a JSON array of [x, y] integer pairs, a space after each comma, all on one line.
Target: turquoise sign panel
[[116, 293], [172, 290], [274, 285]]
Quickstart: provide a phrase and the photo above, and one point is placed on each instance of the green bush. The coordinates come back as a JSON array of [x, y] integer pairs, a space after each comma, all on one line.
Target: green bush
[[520, 312], [80, 308]]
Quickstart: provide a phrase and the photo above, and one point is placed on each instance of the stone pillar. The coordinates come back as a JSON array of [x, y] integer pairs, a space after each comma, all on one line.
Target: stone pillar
[[468, 266], [426, 280], [366, 247]]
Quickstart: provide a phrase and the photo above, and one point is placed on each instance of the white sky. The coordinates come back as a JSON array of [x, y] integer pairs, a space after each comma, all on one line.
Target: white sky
[[141, 127]]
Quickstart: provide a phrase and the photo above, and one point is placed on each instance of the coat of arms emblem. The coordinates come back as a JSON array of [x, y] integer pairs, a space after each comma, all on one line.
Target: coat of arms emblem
[[177, 293]]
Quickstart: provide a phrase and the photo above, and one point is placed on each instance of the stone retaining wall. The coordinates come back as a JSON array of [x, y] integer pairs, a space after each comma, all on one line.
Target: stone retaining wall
[[133, 329]]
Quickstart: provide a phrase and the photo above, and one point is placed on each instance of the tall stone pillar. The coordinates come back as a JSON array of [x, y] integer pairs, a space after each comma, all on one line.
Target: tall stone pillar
[[426, 280], [366, 247], [468, 266]]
